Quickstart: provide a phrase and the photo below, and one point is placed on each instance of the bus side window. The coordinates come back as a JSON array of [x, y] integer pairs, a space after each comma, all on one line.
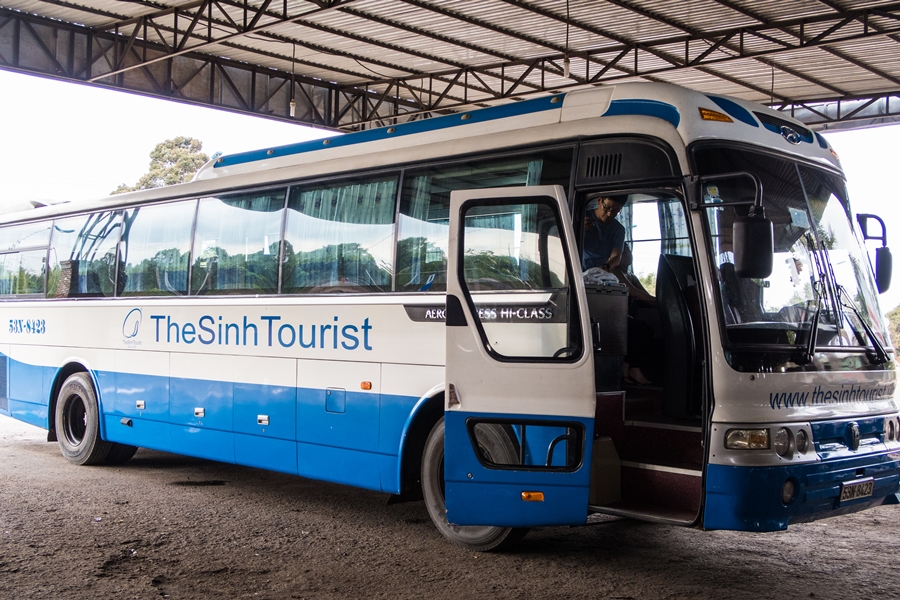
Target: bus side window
[[156, 249], [654, 225], [339, 237], [236, 244], [83, 256], [23, 249], [425, 204]]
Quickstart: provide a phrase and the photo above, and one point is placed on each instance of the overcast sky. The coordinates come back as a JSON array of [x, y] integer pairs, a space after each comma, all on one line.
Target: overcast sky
[[63, 141]]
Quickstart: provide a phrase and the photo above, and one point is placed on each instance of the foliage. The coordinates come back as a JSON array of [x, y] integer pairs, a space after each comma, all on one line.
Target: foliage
[[172, 161], [648, 280], [422, 265], [894, 317], [488, 271]]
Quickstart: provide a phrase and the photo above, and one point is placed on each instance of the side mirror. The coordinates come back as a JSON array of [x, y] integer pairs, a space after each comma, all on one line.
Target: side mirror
[[753, 236], [884, 262], [754, 245], [884, 267]]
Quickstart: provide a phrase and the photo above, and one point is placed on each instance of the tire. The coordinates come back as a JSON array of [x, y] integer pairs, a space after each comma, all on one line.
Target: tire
[[119, 454], [77, 421], [497, 446]]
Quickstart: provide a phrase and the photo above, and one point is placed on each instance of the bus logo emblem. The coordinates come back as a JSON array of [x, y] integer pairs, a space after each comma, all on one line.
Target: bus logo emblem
[[790, 135], [132, 323]]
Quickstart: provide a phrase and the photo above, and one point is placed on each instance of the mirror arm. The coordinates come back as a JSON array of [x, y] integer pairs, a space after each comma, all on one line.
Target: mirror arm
[[757, 194], [863, 220]]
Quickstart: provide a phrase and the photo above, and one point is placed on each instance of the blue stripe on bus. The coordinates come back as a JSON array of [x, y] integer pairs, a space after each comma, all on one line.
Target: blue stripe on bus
[[29, 412], [478, 495], [734, 110], [749, 498], [358, 447], [512, 109], [26, 383], [649, 108]]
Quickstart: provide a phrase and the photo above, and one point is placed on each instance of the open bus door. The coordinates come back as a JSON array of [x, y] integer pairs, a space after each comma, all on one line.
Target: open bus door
[[519, 401]]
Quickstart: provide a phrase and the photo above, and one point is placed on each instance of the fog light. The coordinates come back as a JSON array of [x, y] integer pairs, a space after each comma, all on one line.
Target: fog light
[[747, 439], [787, 491], [781, 442], [802, 441]]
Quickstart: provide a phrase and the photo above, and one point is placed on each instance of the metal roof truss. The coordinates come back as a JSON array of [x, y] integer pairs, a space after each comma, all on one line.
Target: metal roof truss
[[354, 64]]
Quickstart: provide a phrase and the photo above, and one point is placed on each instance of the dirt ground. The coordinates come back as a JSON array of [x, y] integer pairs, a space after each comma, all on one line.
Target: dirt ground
[[164, 526]]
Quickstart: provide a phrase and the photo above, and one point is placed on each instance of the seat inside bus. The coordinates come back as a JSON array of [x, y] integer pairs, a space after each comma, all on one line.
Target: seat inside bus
[[676, 292]]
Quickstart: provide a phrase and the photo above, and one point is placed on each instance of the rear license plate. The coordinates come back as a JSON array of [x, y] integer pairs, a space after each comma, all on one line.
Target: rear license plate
[[857, 489]]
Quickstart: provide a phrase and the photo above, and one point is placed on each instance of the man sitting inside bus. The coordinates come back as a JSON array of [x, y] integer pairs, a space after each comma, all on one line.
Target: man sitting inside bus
[[604, 237]]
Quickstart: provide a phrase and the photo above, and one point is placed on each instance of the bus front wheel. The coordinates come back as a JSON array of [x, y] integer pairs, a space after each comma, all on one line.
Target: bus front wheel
[[77, 421], [476, 538]]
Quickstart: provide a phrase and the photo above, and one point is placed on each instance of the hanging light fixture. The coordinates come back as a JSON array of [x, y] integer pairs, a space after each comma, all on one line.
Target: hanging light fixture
[[293, 104], [566, 62]]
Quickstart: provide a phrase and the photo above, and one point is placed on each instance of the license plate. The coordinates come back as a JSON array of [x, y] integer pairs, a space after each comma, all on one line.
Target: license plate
[[857, 489]]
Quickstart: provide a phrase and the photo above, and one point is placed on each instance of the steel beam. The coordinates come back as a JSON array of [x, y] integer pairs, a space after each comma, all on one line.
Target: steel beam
[[49, 48], [164, 54]]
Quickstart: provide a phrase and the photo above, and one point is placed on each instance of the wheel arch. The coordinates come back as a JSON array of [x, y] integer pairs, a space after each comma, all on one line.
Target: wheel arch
[[71, 367], [427, 411]]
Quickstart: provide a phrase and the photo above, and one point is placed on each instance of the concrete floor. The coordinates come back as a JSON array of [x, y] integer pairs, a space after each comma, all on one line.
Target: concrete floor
[[164, 526]]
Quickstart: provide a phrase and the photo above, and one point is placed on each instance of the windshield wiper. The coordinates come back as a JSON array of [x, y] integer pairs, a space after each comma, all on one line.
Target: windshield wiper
[[810, 352], [879, 355]]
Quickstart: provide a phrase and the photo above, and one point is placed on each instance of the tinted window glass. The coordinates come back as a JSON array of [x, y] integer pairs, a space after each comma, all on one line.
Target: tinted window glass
[[425, 205], [339, 237], [156, 249], [22, 272], [83, 255], [655, 224], [30, 235], [514, 247], [236, 244]]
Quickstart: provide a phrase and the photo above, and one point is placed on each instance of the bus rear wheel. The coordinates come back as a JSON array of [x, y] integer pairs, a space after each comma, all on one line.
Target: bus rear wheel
[[119, 454], [77, 420], [500, 449]]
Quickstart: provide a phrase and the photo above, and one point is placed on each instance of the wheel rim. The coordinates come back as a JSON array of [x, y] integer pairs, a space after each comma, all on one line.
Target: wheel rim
[[75, 416]]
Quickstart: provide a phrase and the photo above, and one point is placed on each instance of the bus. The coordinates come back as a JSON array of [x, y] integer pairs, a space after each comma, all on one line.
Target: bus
[[404, 309]]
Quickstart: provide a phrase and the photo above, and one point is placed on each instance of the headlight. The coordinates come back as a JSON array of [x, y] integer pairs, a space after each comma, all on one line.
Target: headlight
[[747, 439], [802, 441], [781, 441], [889, 430]]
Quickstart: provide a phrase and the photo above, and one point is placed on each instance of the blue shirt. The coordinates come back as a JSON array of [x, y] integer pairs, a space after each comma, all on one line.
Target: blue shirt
[[600, 240]]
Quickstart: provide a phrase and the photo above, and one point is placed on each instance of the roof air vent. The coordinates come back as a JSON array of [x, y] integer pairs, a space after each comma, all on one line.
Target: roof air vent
[[604, 165]]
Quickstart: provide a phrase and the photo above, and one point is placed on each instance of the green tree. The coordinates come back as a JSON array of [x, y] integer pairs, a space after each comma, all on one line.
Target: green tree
[[894, 317], [172, 161]]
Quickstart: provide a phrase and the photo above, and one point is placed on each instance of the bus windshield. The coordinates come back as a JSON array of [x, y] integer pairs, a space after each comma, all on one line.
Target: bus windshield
[[820, 285]]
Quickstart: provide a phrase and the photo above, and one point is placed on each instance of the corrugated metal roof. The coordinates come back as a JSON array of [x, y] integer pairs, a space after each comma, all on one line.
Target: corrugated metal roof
[[378, 60]]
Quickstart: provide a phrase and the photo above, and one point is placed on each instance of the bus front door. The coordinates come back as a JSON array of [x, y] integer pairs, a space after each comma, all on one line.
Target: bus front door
[[519, 400]]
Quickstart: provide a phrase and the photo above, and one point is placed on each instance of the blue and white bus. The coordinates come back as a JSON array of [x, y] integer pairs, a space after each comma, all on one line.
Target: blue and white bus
[[403, 309]]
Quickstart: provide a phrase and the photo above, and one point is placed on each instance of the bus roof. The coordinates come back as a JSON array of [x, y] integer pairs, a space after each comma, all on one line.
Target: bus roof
[[694, 115], [609, 110]]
